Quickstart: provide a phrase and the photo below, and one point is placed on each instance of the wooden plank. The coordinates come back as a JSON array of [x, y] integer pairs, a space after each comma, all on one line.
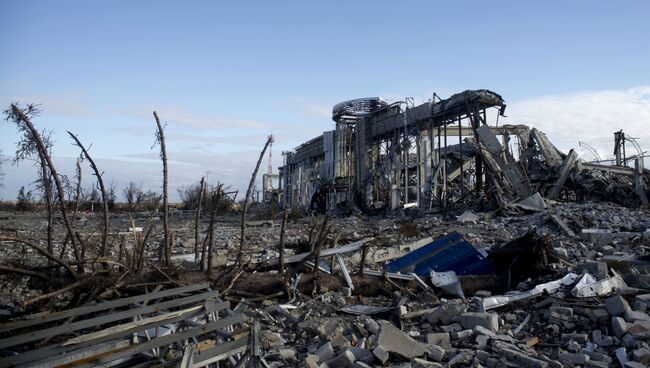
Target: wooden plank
[[131, 350], [80, 349], [98, 321], [44, 317], [352, 247]]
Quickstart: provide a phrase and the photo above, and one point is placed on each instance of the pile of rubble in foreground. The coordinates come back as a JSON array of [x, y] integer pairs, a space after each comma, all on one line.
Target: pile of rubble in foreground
[[586, 305], [569, 286]]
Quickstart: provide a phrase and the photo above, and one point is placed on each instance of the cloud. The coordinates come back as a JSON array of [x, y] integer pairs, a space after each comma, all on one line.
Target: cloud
[[591, 117], [65, 103], [309, 108], [180, 116]]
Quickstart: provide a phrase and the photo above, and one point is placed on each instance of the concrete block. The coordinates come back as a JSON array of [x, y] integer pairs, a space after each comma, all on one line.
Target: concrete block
[[639, 329], [641, 355], [363, 355], [616, 305], [492, 363], [573, 358], [480, 330], [341, 342], [629, 341], [596, 336], [543, 303], [599, 315], [343, 360], [481, 341], [482, 356], [324, 352], [563, 311], [359, 364], [487, 320], [640, 306], [645, 298], [632, 364], [419, 362], [619, 326], [573, 347], [461, 335], [596, 364], [631, 316], [439, 338], [311, 361], [577, 337], [452, 327], [395, 341], [371, 325], [523, 359], [435, 352], [381, 354], [598, 356]]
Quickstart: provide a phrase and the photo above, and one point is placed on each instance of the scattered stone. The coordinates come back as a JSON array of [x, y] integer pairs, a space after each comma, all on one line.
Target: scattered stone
[[619, 326], [616, 305], [381, 354], [487, 320]]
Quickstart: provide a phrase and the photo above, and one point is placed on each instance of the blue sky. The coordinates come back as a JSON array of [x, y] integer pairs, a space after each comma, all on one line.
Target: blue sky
[[224, 75]]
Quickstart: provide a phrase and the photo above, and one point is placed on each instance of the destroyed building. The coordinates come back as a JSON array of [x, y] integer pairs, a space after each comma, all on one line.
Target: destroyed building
[[444, 153]]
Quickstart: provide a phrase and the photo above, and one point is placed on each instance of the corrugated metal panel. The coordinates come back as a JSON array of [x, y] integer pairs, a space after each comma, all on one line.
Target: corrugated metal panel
[[449, 253], [327, 168]]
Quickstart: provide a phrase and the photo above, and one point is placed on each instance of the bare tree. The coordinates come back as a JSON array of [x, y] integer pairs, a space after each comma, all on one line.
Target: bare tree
[[25, 199], [244, 213], [2, 174], [198, 218], [165, 248], [22, 118], [283, 236], [132, 195], [28, 150], [102, 189]]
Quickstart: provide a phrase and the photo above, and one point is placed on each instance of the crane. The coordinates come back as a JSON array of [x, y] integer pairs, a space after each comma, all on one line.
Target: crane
[[270, 169]]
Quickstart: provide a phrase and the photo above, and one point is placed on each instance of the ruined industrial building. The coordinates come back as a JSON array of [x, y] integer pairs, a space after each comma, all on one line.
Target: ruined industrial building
[[446, 154], [411, 235]]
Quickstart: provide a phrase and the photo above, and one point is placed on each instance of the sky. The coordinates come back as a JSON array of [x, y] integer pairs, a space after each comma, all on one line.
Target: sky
[[225, 75]]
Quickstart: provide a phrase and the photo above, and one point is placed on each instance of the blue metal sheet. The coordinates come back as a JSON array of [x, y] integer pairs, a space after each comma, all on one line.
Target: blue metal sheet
[[449, 253]]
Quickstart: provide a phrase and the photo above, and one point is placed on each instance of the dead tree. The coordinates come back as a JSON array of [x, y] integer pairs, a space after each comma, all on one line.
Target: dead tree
[[21, 117], [249, 192], [198, 219], [208, 243], [102, 189], [283, 236], [45, 179], [313, 254], [77, 199], [28, 150], [165, 248]]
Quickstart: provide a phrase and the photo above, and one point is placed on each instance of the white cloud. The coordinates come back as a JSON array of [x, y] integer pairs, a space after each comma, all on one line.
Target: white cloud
[[64, 103], [591, 117], [180, 116]]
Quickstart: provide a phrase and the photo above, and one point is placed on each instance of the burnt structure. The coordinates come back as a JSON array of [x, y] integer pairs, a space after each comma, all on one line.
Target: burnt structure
[[435, 155]]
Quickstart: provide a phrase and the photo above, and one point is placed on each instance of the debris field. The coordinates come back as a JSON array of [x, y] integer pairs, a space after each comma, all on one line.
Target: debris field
[[383, 244]]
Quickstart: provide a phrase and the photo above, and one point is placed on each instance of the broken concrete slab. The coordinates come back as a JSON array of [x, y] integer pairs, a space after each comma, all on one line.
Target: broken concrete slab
[[393, 340]]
